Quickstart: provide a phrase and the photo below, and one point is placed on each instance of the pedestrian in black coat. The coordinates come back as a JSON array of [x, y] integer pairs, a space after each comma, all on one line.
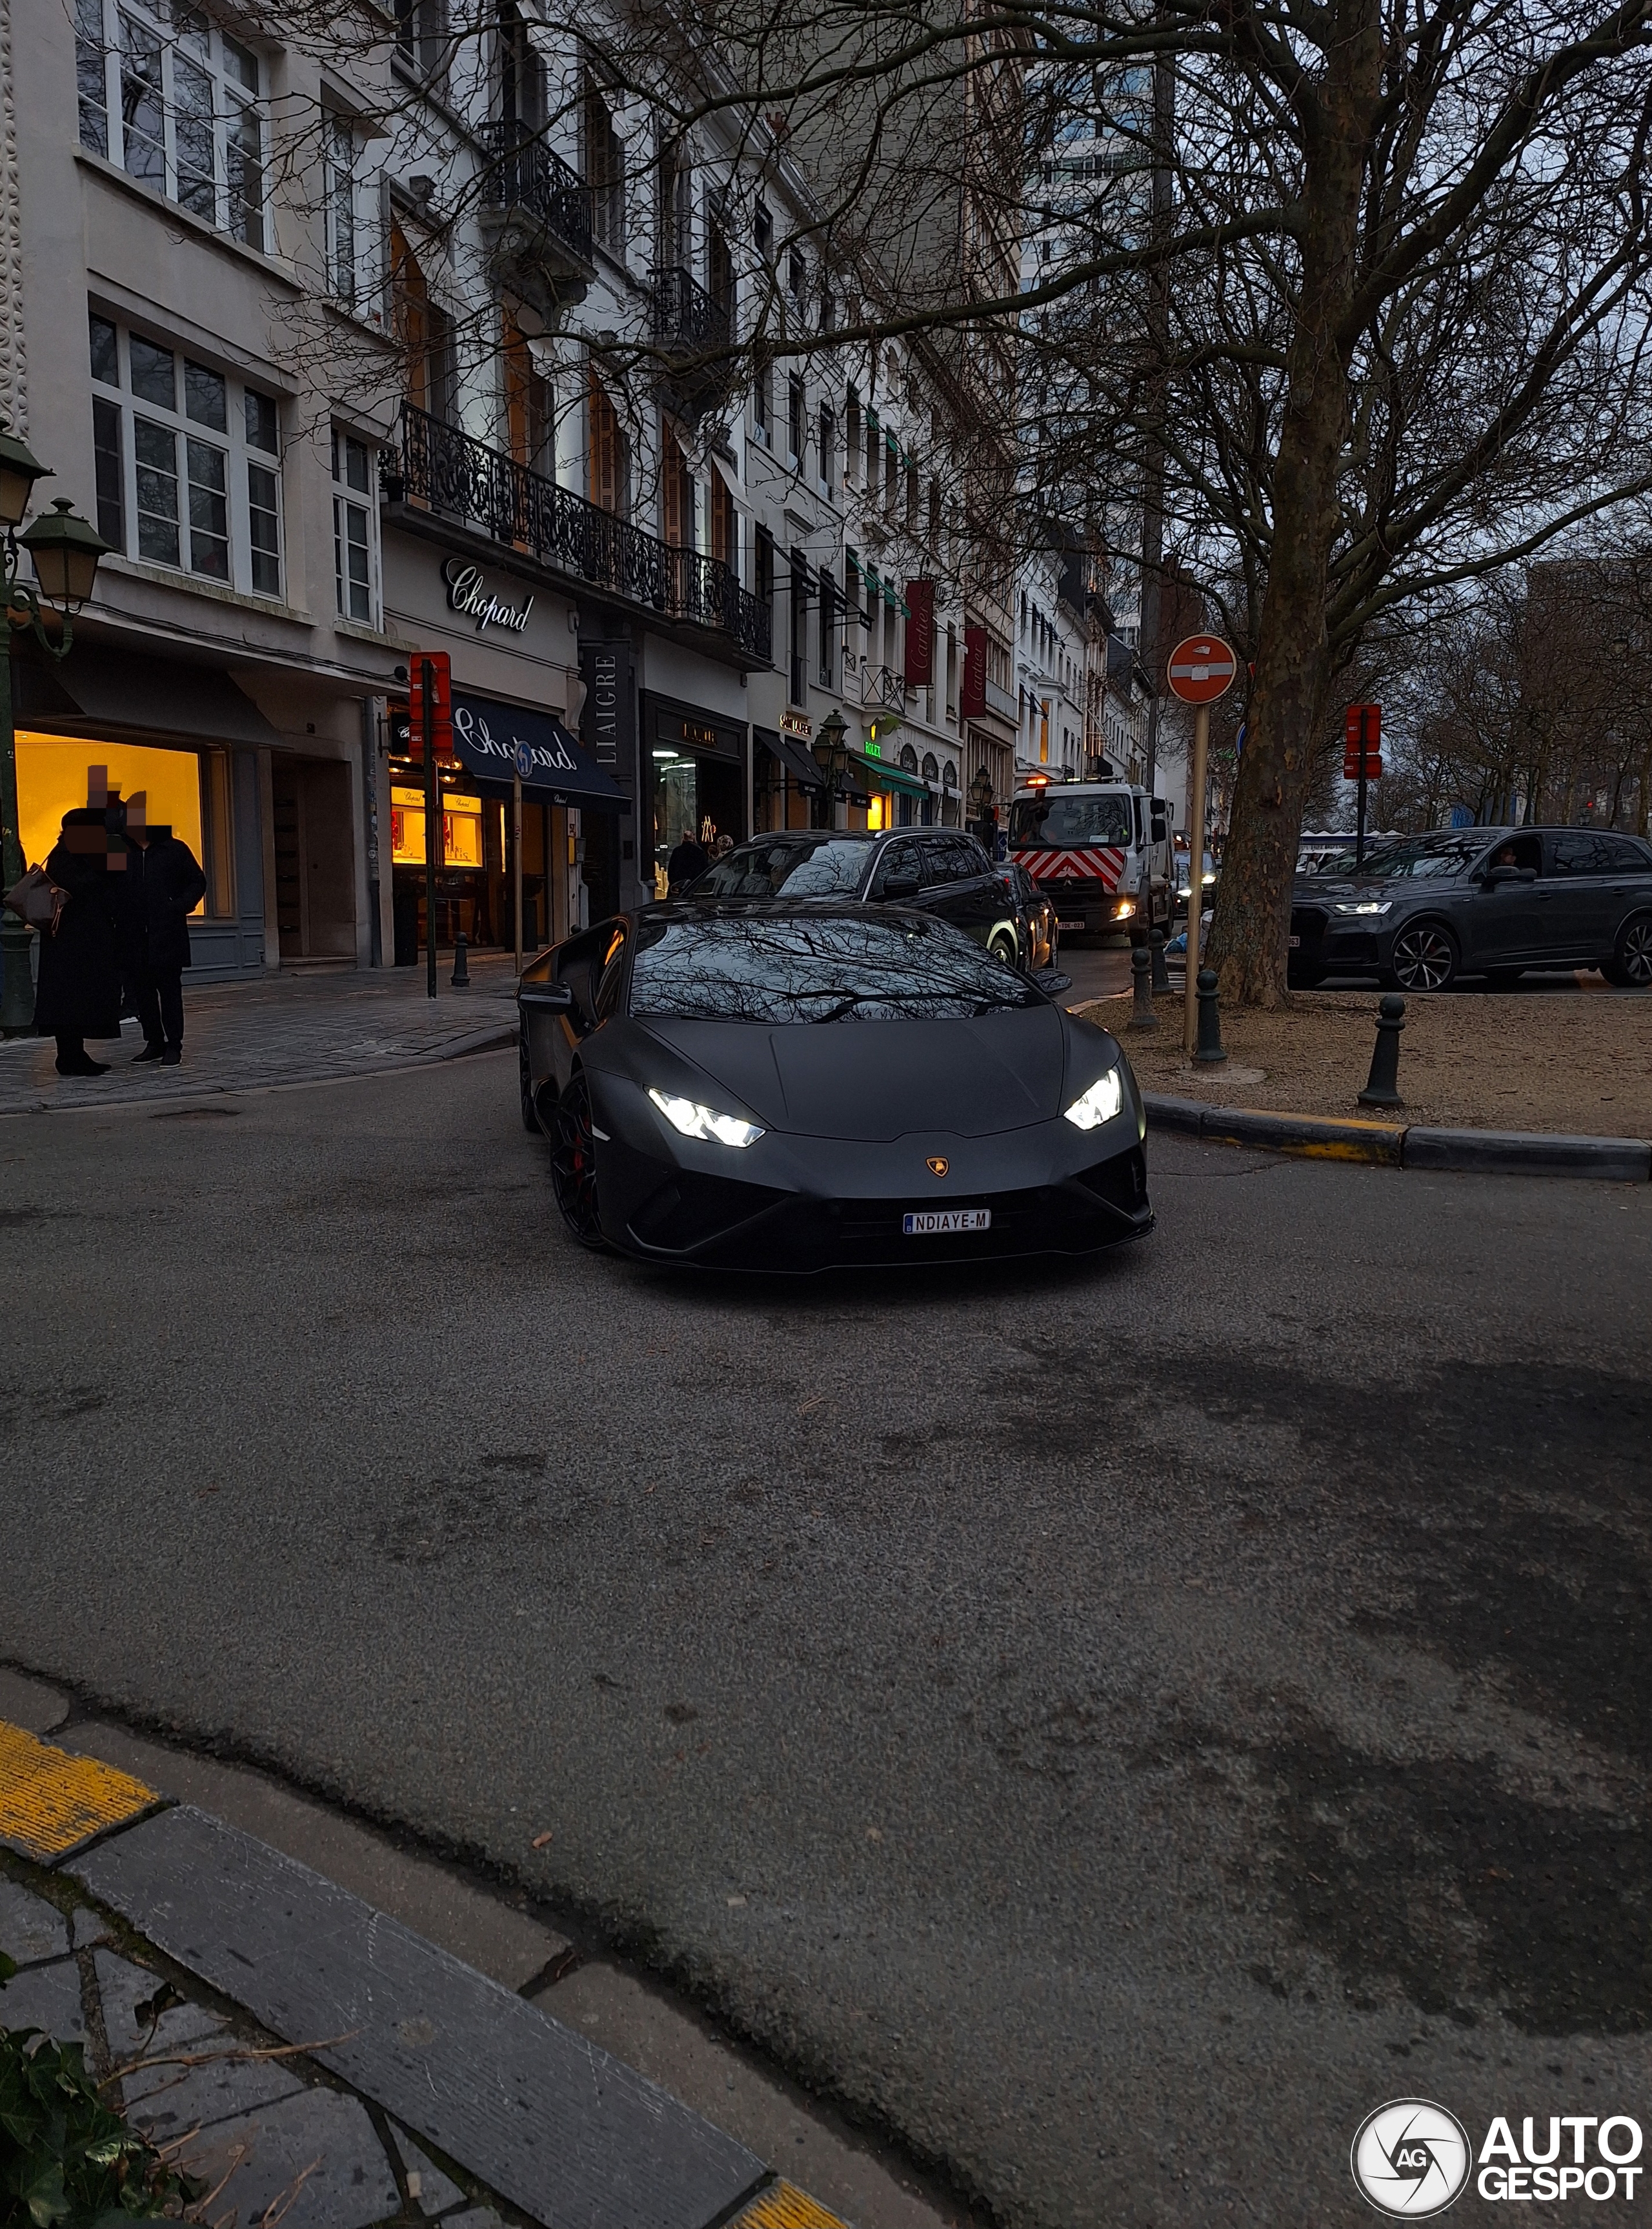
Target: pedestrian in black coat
[[163, 885], [686, 865], [78, 994]]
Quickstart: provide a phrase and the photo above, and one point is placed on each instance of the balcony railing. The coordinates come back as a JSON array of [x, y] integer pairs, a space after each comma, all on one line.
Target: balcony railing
[[523, 173], [686, 318], [882, 684], [441, 469]]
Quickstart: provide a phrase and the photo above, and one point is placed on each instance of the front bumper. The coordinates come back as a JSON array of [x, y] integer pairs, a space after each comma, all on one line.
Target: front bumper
[[794, 1205]]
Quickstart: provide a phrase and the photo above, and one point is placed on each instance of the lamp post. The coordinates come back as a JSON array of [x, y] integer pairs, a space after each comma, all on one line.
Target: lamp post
[[980, 796], [64, 550], [834, 753]]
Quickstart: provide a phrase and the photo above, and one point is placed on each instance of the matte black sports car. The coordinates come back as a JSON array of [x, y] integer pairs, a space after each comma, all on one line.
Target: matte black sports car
[[1491, 901], [787, 1086]]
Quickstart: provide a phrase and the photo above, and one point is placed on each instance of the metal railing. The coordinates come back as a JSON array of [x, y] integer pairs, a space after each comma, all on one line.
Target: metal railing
[[882, 684], [441, 468], [523, 173], [686, 317]]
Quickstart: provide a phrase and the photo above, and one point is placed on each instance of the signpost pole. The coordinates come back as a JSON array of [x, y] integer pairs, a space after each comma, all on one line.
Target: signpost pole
[[515, 855], [433, 818], [1196, 781], [1360, 822]]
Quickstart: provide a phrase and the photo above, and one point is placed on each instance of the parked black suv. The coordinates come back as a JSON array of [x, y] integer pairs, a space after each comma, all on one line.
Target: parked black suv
[[940, 870], [1491, 901]]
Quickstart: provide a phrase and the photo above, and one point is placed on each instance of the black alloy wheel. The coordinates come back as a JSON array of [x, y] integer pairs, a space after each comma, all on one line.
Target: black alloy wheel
[[573, 1164], [1631, 962], [524, 1072], [1425, 959]]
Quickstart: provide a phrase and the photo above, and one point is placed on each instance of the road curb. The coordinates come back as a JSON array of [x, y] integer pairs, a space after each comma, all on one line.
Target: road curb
[[1410, 1145], [531, 2108]]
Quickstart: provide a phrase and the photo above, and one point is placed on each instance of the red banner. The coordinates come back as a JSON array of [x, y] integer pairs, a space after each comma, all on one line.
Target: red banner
[[973, 702], [919, 634], [431, 717]]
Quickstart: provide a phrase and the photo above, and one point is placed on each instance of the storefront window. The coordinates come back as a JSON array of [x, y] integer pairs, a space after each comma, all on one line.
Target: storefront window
[[52, 778]]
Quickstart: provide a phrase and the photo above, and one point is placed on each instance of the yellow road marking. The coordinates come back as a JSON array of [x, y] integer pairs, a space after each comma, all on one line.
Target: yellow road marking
[[787, 2208], [51, 1802]]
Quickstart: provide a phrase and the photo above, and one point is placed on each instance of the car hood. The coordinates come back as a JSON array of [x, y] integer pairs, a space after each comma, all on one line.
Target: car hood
[[883, 1080]]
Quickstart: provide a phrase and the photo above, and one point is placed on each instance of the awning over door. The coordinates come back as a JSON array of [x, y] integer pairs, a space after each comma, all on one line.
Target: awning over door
[[495, 742], [882, 775], [123, 692], [798, 760]]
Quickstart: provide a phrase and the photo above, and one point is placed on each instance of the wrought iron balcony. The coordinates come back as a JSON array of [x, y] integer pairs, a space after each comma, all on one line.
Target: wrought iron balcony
[[688, 320], [440, 469], [522, 173], [882, 684]]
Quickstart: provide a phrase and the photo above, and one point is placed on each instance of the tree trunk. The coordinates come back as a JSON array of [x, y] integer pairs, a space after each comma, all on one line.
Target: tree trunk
[[1285, 717]]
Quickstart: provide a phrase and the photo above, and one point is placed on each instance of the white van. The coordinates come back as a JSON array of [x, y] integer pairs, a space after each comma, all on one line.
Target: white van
[[1089, 846]]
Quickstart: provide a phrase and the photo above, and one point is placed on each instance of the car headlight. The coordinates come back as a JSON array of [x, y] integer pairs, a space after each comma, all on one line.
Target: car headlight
[[1209, 879], [1366, 905], [694, 1121], [1099, 1104]]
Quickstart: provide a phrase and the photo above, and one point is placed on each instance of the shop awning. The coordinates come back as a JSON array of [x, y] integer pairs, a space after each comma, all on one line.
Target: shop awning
[[796, 757], [882, 775], [494, 742], [125, 693]]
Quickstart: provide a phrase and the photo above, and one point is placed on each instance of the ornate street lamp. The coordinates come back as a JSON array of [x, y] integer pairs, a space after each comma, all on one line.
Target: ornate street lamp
[[833, 752], [64, 550]]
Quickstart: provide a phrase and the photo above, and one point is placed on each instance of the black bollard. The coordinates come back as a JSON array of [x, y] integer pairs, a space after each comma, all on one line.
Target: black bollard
[[461, 962], [1209, 1048], [1160, 970], [1142, 1017], [1382, 1087]]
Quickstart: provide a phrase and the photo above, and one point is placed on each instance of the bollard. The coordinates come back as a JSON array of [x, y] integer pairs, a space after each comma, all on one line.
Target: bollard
[[1143, 1017], [1209, 1048], [1382, 1087], [461, 962], [1160, 970]]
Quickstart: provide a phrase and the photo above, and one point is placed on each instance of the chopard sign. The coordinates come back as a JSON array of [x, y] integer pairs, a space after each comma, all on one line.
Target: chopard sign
[[468, 592]]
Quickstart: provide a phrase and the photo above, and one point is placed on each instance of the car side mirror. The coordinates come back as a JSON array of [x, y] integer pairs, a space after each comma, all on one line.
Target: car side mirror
[[546, 997], [1526, 874], [902, 886], [1496, 875], [1159, 826]]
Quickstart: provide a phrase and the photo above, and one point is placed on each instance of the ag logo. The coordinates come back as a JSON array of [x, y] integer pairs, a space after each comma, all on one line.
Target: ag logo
[[937, 1165], [1410, 2158]]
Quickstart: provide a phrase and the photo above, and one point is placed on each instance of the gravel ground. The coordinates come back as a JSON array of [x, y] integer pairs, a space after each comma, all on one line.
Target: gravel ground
[[1520, 1060]]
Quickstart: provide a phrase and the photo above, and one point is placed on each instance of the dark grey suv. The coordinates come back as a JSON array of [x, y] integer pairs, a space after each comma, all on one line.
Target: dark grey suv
[[941, 870], [1486, 902]]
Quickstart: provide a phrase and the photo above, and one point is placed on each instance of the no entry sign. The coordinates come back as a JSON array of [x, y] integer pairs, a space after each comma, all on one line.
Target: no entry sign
[[1202, 667]]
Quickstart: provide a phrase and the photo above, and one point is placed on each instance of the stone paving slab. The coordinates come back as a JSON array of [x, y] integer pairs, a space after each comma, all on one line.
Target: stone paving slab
[[550, 2122], [314, 2155], [248, 1037]]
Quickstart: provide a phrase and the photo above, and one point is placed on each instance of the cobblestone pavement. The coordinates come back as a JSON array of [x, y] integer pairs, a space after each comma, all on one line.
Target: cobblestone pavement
[[294, 1028], [266, 2130]]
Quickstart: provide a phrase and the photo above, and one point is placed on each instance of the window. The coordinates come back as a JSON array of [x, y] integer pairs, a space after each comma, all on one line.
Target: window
[[339, 208], [609, 462], [605, 174], [852, 438], [190, 457], [797, 280], [828, 448], [352, 528], [798, 677], [761, 383], [419, 33], [217, 837], [762, 230], [175, 102], [763, 574], [828, 625], [796, 413]]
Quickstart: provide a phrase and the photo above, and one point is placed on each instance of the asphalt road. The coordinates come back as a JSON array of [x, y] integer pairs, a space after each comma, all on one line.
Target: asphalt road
[[1117, 1726]]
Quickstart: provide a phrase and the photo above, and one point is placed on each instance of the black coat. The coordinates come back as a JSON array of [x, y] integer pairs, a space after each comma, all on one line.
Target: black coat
[[78, 994], [686, 863], [160, 889]]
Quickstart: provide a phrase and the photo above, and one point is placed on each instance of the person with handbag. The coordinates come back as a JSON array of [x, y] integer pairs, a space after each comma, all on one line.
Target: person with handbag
[[161, 887], [77, 994]]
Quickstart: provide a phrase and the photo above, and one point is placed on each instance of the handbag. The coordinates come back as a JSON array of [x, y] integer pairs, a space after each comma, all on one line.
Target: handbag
[[38, 899]]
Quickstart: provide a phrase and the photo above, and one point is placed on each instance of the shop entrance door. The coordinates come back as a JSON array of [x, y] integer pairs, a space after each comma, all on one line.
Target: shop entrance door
[[314, 857], [694, 795]]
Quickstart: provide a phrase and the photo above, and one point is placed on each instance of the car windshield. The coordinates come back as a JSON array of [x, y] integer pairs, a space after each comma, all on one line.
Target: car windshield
[[1053, 823], [1430, 856], [833, 969], [802, 866]]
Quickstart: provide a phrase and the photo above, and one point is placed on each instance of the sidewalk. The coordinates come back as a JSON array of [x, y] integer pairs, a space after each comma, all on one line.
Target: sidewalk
[[292, 1029], [322, 2063]]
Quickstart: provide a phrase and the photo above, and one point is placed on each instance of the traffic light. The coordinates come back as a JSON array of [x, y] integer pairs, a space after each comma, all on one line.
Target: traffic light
[[1362, 744]]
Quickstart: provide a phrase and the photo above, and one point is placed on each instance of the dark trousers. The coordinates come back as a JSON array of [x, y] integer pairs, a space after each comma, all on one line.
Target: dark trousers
[[157, 993]]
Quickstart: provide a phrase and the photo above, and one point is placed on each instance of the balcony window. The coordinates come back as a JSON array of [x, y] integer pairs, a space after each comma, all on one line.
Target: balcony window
[[797, 665], [762, 382], [796, 415], [177, 104], [187, 462], [605, 173], [340, 194], [419, 28], [828, 449]]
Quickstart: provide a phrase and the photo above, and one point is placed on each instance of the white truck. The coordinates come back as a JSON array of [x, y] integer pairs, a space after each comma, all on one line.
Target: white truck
[[1094, 848]]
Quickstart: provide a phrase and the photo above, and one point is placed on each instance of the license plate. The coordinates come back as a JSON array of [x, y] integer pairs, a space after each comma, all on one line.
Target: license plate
[[1294, 943], [1070, 924], [928, 1222]]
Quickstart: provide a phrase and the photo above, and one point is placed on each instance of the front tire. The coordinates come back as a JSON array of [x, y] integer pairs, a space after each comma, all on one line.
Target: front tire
[[1630, 964], [1425, 958], [1004, 947], [573, 1164]]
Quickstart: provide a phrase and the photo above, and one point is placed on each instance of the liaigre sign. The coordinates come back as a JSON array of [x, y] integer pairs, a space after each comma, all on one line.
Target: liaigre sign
[[469, 594]]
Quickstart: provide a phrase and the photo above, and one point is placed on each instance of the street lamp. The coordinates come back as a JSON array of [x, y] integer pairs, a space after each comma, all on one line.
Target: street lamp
[[64, 550], [980, 796], [834, 753]]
